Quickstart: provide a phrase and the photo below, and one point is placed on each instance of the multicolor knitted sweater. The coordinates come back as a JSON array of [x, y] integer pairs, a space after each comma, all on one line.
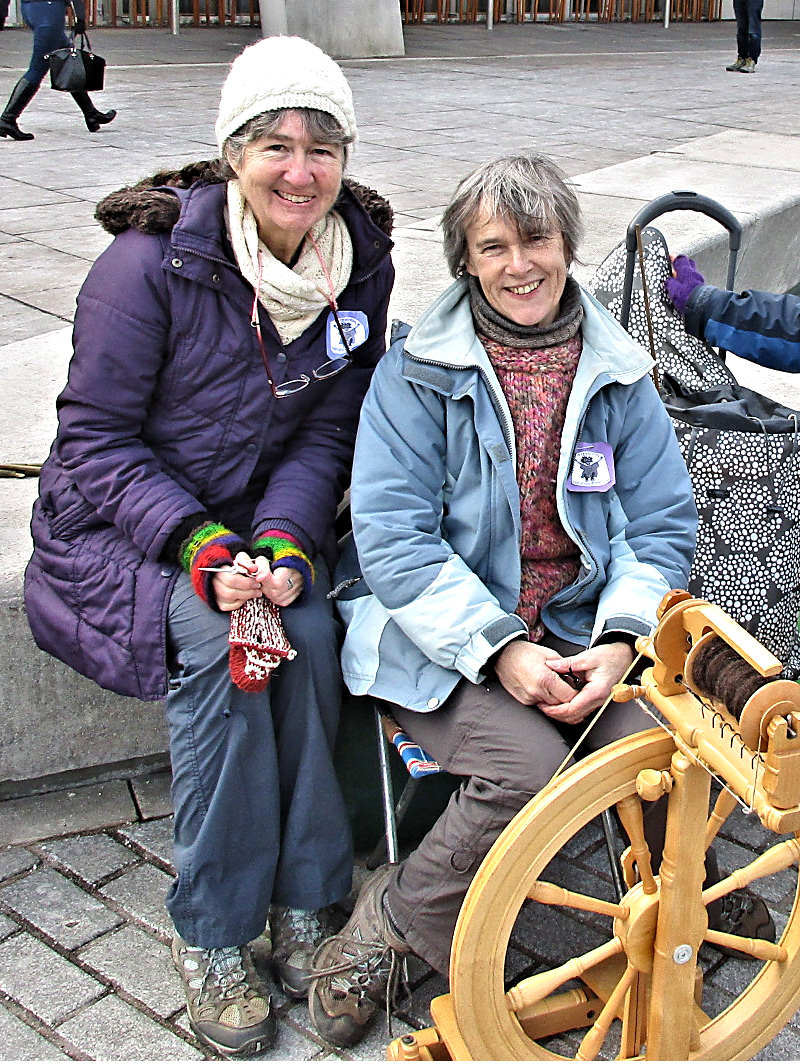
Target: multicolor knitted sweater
[[536, 368]]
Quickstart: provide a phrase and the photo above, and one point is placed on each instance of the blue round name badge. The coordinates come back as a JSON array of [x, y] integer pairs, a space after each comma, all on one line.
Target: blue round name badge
[[355, 328]]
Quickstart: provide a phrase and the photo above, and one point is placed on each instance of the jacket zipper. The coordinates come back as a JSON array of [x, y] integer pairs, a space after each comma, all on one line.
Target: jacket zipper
[[448, 365]]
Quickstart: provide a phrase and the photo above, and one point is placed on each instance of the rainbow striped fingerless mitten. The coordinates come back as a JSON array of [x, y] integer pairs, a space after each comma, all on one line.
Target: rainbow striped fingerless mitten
[[210, 544], [283, 549]]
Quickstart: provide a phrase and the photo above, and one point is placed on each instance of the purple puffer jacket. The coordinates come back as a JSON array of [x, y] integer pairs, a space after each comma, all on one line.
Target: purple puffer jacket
[[167, 412]]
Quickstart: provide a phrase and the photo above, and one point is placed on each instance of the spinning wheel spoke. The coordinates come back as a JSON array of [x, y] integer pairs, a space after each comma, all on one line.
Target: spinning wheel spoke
[[551, 894], [531, 990], [775, 859], [596, 1035], [754, 947]]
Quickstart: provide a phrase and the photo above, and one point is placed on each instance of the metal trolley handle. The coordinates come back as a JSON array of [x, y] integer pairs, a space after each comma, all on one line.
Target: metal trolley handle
[[677, 201]]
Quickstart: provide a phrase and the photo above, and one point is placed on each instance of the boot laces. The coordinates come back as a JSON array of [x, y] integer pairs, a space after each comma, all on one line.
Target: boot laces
[[369, 967], [302, 925], [226, 970], [364, 967]]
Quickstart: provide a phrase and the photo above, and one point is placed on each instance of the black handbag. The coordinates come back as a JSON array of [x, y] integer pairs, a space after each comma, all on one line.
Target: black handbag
[[76, 69]]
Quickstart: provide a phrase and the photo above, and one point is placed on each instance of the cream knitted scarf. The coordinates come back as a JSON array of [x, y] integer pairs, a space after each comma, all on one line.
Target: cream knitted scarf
[[293, 298]]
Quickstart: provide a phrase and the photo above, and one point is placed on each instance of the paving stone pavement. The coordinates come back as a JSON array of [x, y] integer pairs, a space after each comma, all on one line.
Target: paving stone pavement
[[85, 971]]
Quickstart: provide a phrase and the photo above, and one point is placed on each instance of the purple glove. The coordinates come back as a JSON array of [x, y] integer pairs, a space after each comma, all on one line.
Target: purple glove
[[687, 278]]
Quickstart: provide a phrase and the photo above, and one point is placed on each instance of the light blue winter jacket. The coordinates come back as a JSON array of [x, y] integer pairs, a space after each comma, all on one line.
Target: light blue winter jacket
[[436, 511]]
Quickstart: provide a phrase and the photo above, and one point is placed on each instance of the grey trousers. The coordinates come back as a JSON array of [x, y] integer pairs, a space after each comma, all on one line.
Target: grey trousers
[[259, 816], [507, 752]]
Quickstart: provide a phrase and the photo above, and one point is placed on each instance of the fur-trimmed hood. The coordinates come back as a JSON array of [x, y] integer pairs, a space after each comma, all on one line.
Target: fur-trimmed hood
[[150, 208]]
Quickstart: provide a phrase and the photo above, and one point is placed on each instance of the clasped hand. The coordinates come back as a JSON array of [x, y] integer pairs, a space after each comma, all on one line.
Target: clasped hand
[[566, 689], [233, 588]]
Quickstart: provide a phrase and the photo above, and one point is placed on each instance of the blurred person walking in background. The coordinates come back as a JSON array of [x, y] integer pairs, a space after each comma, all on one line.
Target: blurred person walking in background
[[46, 19]]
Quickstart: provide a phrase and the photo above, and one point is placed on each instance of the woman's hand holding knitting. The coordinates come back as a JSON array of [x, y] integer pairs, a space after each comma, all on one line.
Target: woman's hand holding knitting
[[282, 585], [594, 672], [233, 587]]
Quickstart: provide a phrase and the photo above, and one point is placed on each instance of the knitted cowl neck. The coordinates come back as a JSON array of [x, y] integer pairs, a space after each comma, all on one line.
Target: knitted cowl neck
[[497, 327]]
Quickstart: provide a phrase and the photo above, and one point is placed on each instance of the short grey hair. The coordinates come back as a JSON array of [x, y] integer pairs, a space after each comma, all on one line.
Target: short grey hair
[[319, 125], [529, 191]]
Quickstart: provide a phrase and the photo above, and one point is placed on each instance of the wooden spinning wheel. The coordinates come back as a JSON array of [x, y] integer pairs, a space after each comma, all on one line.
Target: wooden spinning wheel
[[639, 994]]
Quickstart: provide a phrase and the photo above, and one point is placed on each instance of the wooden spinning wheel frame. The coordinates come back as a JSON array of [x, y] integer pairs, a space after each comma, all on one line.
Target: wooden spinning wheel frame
[[638, 995]]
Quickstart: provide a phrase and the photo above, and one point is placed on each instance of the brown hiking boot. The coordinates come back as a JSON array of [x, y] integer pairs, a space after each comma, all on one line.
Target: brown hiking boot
[[296, 934], [352, 970], [228, 1005], [742, 913]]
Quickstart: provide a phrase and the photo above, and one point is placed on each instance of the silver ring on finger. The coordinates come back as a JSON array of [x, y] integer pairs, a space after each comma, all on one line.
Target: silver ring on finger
[[289, 582]]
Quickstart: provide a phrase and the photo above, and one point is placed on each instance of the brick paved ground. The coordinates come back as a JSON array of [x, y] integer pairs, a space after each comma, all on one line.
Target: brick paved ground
[[86, 974]]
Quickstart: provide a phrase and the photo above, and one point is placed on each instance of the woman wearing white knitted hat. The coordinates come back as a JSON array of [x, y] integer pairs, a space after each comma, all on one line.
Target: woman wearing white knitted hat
[[184, 532]]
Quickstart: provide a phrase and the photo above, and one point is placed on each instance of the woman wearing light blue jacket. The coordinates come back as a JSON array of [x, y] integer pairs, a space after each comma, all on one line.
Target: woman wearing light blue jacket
[[520, 506]]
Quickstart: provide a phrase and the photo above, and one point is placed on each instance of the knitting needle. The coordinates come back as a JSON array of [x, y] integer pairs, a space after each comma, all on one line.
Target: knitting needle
[[235, 568]]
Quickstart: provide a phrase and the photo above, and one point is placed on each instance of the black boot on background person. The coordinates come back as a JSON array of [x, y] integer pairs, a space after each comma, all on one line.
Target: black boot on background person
[[93, 118], [21, 95]]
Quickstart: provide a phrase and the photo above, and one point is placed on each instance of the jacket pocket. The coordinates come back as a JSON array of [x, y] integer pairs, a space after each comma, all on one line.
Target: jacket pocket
[[76, 517], [365, 620]]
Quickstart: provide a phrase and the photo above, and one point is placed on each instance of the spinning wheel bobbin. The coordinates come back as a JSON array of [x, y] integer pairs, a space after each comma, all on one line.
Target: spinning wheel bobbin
[[758, 698]]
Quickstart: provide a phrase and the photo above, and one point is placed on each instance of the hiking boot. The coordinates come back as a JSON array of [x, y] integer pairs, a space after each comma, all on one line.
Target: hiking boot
[[296, 934], [737, 64], [261, 951], [749, 66], [742, 913], [352, 970], [228, 1005]]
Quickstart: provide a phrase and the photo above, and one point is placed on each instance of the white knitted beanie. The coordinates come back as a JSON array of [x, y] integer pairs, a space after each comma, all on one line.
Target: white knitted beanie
[[283, 72]]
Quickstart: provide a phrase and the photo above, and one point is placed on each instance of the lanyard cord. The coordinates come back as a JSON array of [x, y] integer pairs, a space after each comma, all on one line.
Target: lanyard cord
[[331, 294]]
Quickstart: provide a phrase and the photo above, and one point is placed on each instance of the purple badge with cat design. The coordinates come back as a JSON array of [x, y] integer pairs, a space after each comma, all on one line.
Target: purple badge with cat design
[[592, 468]]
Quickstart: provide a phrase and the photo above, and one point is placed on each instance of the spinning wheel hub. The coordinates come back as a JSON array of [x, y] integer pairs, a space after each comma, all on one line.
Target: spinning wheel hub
[[637, 930]]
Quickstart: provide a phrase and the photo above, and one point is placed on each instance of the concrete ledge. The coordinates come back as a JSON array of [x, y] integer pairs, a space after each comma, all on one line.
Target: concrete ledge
[[55, 721], [755, 175]]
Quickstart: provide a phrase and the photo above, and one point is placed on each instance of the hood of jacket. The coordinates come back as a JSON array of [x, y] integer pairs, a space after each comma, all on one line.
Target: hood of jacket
[[153, 205]]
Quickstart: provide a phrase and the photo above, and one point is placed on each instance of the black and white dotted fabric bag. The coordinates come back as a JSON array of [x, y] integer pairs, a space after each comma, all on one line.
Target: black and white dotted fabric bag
[[742, 451], [683, 360]]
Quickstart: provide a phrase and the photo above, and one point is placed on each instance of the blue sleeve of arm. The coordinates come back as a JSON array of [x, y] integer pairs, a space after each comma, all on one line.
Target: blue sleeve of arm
[[759, 326]]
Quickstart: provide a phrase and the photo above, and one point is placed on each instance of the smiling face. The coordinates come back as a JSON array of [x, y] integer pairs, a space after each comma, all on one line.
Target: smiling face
[[522, 277], [290, 182]]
